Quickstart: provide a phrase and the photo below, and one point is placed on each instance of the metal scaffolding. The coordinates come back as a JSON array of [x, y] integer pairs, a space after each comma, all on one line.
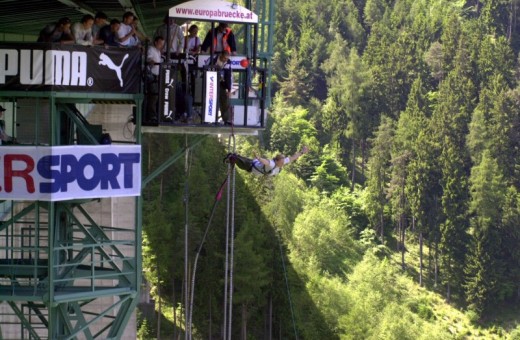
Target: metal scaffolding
[[70, 269]]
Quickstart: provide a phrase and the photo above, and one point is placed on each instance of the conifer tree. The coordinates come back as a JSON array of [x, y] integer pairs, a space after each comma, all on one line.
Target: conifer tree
[[335, 119], [485, 269], [450, 124], [374, 11], [450, 41], [495, 57], [355, 100], [379, 175], [296, 87], [510, 239], [495, 16], [421, 190]]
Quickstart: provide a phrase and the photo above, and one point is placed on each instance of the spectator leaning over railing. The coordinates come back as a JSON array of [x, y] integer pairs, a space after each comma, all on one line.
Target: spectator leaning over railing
[[108, 34], [82, 30], [58, 32], [126, 32], [100, 21]]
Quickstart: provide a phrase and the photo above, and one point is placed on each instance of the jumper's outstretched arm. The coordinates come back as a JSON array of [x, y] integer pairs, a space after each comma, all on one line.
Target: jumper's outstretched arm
[[292, 158], [298, 154]]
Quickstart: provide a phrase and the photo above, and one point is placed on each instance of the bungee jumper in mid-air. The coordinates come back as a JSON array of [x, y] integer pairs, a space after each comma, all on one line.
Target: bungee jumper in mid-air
[[263, 166]]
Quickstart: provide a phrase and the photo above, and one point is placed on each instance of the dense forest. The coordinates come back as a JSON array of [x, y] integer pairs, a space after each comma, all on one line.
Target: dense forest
[[402, 222]]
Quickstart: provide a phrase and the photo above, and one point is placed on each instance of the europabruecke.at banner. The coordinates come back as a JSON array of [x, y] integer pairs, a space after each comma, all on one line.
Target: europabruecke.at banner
[[76, 68], [69, 172]]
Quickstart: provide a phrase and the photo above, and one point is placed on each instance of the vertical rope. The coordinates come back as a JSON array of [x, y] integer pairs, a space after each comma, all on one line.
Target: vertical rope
[[226, 267], [228, 271], [232, 247], [195, 262], [187, 325], [282, 256]]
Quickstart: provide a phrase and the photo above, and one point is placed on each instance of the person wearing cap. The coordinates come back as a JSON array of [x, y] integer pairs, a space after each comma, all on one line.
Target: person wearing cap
[[58, 32], [4, 137], [223, 40]]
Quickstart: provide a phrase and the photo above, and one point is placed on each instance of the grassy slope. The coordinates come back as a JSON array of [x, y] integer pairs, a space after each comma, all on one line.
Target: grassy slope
[[452, 315]]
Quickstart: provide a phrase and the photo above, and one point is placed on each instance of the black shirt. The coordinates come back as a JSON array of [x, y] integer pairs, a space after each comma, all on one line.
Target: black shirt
[[109, 38]]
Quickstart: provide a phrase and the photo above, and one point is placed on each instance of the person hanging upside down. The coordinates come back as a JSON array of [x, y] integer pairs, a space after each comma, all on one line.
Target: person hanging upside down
[[263, 166]]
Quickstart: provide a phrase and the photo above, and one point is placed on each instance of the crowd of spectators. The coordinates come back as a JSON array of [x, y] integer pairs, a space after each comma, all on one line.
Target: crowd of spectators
[[95, 30], [98, 30]]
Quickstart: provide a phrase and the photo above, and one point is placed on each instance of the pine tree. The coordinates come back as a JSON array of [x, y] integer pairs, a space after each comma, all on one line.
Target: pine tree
[[421, 191], [510, 239], [374, 11], [495, 16], [485, 269], [495, 57], [379, 175], [329, 175], [450, 124], [296, 87], [355, 101], [450, 41], [335, 119], [493, 126]]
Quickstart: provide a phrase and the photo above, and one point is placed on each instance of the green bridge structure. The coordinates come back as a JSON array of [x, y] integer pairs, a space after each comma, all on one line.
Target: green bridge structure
[[71, 261]]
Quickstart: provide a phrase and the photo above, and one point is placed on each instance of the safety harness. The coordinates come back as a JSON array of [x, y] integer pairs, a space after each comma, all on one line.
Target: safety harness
[[262, 170]]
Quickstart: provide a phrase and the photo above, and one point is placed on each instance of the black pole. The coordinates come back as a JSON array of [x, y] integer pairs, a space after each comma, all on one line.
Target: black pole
[[255, 43], [212, 48], [168, 42]]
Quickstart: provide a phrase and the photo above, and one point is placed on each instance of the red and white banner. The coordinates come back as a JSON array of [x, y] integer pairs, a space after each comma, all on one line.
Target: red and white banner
[[69, 172]]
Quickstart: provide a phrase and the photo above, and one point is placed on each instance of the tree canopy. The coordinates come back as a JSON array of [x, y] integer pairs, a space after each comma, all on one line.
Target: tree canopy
[[408, 200]]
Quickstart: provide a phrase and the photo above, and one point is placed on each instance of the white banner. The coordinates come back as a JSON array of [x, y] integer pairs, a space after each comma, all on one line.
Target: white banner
[[214, 10], [210, 107], [69, 172], [203, 60]]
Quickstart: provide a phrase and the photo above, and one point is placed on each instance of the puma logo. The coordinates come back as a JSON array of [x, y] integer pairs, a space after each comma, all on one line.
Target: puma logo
[[106, 61]]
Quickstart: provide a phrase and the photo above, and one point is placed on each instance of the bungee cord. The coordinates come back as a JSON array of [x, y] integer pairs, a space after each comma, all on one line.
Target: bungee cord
[[231, 235], [230, 231], [218, 196], [230, 226]]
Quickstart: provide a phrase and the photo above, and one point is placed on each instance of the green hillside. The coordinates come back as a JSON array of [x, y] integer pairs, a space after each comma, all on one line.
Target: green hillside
[[402, 222]]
